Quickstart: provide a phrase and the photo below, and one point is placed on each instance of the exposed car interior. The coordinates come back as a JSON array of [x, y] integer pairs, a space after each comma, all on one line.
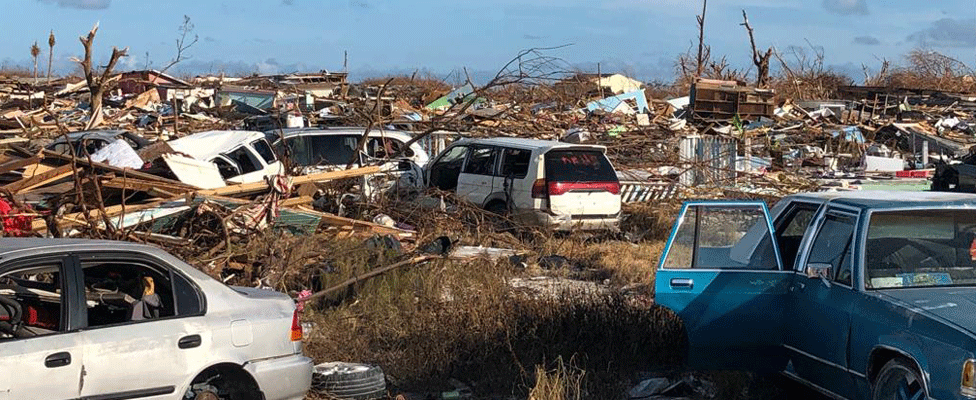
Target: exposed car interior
[[119, 292], [30, 302]]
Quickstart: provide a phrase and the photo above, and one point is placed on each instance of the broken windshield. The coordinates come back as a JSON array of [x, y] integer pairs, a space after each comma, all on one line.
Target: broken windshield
[[919, 248]]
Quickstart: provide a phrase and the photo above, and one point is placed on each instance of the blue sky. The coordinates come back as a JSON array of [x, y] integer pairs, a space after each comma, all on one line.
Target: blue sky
[[638, 37]]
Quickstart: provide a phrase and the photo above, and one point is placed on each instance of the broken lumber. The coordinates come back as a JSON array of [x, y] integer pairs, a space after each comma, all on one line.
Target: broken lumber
[[40, 179], [247, 188], [16, 164]]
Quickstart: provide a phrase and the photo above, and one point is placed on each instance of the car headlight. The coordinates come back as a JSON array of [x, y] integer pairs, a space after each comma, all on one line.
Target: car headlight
[[968, 385]]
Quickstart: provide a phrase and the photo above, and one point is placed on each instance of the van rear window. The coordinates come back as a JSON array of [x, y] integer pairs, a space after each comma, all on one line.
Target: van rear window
[[579, 166]]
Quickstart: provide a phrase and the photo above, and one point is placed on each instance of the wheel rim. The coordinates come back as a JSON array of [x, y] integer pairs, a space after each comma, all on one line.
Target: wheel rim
[[902, 384]]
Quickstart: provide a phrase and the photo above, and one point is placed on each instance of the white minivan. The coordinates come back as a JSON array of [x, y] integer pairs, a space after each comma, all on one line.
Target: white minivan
[[535, 182]]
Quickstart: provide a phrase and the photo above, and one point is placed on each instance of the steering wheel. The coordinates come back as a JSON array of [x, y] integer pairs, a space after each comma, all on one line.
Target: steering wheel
[[14, 311]]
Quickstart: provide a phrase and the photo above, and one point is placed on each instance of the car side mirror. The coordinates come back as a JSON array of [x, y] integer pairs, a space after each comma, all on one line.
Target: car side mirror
[[404, 165], [819, 271]]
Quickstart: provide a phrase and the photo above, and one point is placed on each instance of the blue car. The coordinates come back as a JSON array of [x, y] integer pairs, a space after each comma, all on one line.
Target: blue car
[[859, 295]]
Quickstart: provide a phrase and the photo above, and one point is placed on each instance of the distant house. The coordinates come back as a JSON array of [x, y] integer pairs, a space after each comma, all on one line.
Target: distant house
[[138, 82], [590, 85]]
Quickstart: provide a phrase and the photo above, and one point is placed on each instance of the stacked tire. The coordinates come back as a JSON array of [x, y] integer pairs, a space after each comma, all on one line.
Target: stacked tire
[[349, 381]]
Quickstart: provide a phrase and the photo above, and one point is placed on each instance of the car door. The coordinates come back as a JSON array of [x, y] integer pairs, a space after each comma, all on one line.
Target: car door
[[444, 173], [477, 178], [45, 360], [721, 274], [514, 181], [821, 302], [146, 333]]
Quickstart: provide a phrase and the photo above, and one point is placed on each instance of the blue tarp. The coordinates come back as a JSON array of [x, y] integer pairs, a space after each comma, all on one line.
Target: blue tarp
[[611, 103]]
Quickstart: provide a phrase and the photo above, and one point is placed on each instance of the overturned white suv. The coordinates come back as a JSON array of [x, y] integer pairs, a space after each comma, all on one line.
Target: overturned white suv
[[85, 319]]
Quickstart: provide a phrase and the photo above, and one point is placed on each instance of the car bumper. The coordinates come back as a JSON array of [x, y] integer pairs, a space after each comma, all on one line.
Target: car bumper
[[285, 378], [576, 222]]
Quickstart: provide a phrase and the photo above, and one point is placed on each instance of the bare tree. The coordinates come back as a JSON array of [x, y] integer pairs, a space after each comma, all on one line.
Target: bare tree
[[50, 55], [761, 60], [97, 85], [701, 38], [35, 51], [181, 45]]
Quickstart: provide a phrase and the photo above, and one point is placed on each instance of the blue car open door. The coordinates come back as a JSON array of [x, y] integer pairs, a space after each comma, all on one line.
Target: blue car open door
[[721, 274]]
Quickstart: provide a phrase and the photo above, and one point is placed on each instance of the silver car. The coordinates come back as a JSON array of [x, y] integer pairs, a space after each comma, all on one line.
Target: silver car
[[100, 319]]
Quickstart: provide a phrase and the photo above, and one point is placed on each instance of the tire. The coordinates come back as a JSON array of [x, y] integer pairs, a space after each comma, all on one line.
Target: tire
[[898, 380], [349, 381]]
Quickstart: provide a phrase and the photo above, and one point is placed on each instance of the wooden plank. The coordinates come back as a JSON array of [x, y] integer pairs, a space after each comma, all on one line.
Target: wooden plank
[[247, 188], [143, 185], [40, 179], [120, 171], [95, 214], [335, 220], [20, 163], [297, 201]]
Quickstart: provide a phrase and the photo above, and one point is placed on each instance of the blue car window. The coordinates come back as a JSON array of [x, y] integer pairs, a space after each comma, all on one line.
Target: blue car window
[[722, 237], [833, 246]]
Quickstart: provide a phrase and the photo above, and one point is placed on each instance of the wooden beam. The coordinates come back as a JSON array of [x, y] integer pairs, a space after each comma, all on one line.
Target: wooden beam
[[297, 201], [83, 162], [16, 164], [246, 188], [95, 214], [39, 179]]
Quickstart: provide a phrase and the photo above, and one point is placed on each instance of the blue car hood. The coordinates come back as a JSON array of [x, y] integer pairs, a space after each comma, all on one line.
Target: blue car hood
[[954, 304]]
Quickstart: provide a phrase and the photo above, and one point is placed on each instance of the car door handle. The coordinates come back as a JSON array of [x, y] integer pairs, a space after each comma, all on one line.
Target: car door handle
[[57, 360], [682, 283], [189, 342]]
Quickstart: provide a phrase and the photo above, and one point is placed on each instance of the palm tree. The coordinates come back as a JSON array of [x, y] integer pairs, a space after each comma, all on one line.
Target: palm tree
[[50, 55], [35, 51]]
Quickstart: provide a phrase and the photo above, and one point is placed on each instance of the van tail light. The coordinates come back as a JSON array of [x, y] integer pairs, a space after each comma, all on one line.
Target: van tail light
[[539, 189], [296, 326], [558, 188]]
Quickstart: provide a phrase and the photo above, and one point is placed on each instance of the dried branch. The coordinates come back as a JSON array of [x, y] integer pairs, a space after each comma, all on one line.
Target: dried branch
[[761, 60], [97, 84], [181, 45]]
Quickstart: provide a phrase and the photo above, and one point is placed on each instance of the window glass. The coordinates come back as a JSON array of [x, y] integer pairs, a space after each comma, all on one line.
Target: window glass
[[722, 237], [832, 246], [790, 229], [264, 150], [244, 160], [481, 161], [921, 248], [187, 298], [579, 166], [515, 163], [125, 291], [30, 302], [314, 150]]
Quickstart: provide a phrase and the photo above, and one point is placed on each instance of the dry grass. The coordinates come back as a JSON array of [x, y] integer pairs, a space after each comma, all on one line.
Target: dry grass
[[561, 383]]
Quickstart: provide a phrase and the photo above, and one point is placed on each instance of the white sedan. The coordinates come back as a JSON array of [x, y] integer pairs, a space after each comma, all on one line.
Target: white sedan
[[86, 319]]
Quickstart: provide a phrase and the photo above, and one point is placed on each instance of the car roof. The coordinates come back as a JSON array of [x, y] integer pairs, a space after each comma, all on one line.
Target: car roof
[[343, 130], [41, 245], [205, 146], [530, 143], [880, 199]]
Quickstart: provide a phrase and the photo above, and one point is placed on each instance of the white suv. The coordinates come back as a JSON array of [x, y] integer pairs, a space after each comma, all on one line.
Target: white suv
[[85, 319], [559, 185]]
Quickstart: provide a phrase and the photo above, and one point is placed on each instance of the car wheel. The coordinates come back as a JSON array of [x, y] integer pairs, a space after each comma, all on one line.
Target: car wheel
[[349, 381], [898, 380]]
